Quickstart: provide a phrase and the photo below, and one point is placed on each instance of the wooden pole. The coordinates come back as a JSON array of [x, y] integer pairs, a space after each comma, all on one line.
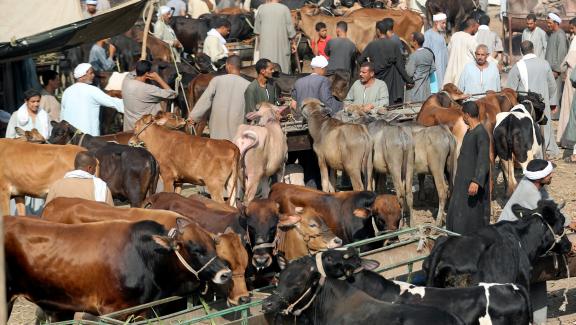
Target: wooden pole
[[150, 7]]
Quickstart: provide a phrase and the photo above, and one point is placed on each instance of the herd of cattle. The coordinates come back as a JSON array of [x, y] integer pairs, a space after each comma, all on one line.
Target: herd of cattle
[[147, 252]]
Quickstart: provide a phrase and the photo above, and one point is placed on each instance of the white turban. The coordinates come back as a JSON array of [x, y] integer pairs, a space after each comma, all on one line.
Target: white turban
[[439, 17], [539, 174], [555, 17], [319, 62], [81, 70], [92, 2], [163, 10]]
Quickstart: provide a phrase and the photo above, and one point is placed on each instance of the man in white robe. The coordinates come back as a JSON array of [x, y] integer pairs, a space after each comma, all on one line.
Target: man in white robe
[[460, 51], [536, 35], [568, 93], [480, 76], [81, 102], [435, 40], [534, 74], [555, 54], [274, 27]]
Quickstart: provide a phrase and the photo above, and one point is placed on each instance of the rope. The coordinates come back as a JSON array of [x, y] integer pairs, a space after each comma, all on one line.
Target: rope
[[189, 268], [565, 302], [178, 82]]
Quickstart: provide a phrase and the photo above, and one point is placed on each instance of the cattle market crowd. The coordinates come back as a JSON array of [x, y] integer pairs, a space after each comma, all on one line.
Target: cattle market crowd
[[288, 167]]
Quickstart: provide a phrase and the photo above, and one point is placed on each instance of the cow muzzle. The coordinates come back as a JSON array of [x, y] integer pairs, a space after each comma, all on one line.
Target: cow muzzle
[[261, 260], [334, 243]]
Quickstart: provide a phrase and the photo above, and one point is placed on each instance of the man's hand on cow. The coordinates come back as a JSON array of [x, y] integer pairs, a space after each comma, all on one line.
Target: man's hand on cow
[[556, 74], [153, 76], [111, 49], [472, 189]]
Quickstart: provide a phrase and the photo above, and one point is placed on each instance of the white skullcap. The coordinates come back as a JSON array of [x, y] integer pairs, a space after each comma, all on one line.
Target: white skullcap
[[91, 2], [439, 17], [319, 62], [163, 10], [555, 17], [81, 70], [539, 174]]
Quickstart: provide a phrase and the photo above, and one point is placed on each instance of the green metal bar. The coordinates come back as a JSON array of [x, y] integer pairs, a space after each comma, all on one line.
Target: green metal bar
[[223, 312], [387, 248], [139, 307]]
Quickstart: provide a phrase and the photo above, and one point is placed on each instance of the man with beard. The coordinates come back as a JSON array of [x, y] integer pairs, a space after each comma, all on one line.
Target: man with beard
[[435, 41], [367, 91], [480, 76], [461, 51], [469, 208], [535, 35]]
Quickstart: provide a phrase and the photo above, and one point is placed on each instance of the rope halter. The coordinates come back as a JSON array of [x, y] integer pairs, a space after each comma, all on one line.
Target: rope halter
[[298, 312], [172, 234]]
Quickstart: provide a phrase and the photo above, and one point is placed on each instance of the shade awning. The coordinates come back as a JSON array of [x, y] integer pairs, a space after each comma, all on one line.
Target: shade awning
[[109, 23]]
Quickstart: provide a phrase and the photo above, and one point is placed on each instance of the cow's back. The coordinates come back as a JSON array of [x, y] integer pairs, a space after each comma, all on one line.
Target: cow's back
[[29, 168]]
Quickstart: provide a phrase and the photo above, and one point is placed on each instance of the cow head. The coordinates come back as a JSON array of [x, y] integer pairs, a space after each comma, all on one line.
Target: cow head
[[195, 251], [450, 95], [313, 107], [229, 247], [534, 104], [169, 120], [32, 136], [378, 212], [266, 113], [296, 287], [260, 219], [62, 132], [550, 224], [340, 83], [203, 63], [345, 262], [304, 233]]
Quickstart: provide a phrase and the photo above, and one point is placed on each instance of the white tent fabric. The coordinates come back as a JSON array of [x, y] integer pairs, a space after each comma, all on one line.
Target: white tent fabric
[[22, 18]]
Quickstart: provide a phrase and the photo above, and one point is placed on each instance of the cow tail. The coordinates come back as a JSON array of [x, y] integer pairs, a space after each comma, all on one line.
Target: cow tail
[[368, 164], [244, 147], [452, 157], [155, 169], [234, 178], [510, 144]]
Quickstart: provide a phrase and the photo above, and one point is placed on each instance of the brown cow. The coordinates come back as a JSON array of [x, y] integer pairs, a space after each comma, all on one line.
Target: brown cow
[[339, 146], [228, 246], [263, 149], [102, 267], [256, 222], [303, 233], [32, 136], [173, 122], [29, 169], [184, 158], [361, 23], [351, 215]]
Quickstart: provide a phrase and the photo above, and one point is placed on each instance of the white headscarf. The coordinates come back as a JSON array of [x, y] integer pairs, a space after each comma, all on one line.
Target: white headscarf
[[42, 120], [81, 70]]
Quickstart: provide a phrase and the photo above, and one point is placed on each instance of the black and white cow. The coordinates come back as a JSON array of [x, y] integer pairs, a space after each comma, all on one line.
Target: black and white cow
[[499, 253], [483, 304], [517, 136]]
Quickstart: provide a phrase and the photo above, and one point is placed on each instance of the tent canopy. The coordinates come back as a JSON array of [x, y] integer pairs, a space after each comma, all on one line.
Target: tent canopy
[[32, 27]]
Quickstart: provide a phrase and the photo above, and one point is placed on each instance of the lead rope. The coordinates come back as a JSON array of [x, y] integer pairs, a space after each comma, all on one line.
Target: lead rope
[[321, 282], [189, 268]]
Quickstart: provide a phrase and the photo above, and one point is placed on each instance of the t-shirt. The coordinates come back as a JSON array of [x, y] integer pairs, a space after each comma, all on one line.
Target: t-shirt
[[341, 51], [321, 43]]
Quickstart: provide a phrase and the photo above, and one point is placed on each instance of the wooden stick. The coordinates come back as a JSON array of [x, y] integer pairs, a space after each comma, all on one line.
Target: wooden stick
[[150, 7]]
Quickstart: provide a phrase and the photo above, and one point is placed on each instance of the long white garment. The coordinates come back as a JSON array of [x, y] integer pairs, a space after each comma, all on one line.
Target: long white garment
[[538, 38], [100, 187], [476, 81], [460, 52], [81, 107], [527, 195], [437, 43], [21, 119], [568, 93], [523, 70]]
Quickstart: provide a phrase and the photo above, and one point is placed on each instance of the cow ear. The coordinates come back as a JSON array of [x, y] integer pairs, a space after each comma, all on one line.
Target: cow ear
[[53, 123], [182, 223], [163, 241], [362, 213], [160, 121], [520, 211], [288, 221], [299, 210], [19, 131], [370, 264], [228, 230]]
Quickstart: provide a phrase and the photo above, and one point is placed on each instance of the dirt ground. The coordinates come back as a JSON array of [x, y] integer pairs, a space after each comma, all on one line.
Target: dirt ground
[[562, 189]]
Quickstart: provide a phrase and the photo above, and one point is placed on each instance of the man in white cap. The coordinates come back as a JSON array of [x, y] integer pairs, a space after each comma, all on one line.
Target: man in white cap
[[555, 54], [536, 35], [534, 74], [91, 8], [461, 51], [164, 32], [316, 85], [530, 190], [81, 102], [434, 39]]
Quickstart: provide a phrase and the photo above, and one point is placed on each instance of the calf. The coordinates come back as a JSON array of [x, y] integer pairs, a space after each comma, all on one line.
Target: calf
[[301, 234], [497, 304], [255, 223], [351, 215], [102, 267], [228, 246], [263, 149], [518, 140], [339, 146], [32, 136], [193, 159], [29, 169], [499, 253], [306, 289]]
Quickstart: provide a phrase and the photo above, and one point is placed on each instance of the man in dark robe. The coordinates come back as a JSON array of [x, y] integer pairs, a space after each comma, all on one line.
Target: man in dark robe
[[469, 208], [388, 62]]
